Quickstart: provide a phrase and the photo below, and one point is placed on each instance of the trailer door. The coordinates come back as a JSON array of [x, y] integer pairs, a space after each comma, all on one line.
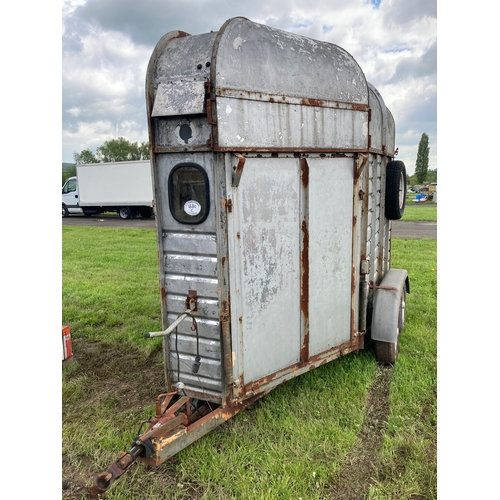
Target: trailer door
[[290, 253]]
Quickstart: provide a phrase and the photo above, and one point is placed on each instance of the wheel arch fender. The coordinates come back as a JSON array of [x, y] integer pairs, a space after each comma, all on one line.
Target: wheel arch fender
[[386, 301]]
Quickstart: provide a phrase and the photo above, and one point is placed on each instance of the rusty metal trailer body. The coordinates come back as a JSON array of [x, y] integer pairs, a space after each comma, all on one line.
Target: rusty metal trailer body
[[275, 182]]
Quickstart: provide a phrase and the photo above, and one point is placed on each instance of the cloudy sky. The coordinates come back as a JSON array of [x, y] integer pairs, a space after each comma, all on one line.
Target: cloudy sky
[[107, 44]]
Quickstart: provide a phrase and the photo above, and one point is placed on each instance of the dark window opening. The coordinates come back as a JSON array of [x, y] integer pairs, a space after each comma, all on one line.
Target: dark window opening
[[188, 193], [70, 186]]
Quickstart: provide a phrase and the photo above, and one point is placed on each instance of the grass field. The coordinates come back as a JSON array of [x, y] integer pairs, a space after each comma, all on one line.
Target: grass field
[[420, 212], [349, 429]]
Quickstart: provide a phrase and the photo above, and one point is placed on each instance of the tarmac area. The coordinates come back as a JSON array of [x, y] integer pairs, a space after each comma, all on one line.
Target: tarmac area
[[400, 229]]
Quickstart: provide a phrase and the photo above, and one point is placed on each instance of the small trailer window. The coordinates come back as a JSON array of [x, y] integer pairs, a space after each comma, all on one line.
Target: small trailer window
[[188, 193]]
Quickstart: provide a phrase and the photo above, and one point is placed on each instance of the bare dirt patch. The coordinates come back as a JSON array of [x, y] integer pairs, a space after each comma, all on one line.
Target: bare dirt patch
[[125, 378], [361, 464]]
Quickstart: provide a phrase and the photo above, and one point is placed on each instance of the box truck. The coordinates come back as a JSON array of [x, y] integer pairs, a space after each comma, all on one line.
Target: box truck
[[124, 187], [275, 187]]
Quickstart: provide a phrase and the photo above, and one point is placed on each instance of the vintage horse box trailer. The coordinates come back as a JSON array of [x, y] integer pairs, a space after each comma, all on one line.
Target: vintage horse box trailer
[[275, 185]]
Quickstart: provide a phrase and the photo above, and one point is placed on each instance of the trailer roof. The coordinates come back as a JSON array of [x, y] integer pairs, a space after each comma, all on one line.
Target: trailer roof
[[268, 63]]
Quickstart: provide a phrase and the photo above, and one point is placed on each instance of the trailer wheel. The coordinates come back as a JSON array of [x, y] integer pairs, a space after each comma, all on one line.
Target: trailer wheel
[[65, 211], [395, 190], [387, 352], [402, 312], [124, 213]]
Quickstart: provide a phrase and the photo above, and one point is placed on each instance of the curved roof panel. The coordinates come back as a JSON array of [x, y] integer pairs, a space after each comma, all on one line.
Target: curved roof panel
[[255, 58]]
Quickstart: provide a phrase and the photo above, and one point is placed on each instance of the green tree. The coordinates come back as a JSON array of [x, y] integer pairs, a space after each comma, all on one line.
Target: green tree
[[115, 150], [86, 156], [69, 171], [432, 175], [122, 150], [144, 151], [422, 163]]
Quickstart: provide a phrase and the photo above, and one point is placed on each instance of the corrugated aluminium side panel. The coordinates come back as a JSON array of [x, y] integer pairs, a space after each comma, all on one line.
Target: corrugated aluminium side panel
[[264, 238], [189, 262], [373, 229], [385, 224], [244, 124], [330, 210]]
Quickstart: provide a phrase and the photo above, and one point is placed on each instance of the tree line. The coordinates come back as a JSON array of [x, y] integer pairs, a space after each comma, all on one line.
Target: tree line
[[113, 150], [123, 150]]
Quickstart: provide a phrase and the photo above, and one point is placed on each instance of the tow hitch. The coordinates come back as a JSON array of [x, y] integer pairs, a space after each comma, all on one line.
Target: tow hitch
[[178, 422]]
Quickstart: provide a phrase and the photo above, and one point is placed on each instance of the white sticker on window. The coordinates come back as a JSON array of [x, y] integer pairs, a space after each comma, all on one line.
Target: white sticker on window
[[192, 207]]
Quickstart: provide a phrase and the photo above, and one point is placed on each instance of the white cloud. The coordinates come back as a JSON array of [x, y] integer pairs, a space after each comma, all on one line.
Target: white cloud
[[107, 45]]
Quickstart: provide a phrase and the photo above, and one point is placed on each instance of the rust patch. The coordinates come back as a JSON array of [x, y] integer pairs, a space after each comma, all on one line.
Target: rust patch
[[309, 364], [163, 294], [304, 169], [304, 291], [304, 286], [360, 107], [311, 102], [304, 348]]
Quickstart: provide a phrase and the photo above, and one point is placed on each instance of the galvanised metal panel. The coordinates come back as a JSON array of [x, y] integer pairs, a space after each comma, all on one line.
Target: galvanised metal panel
[[189, 262], [178, 132], [204, 245], [210, 328], [377, 120], [330, 215], [180, 73], [245, 124], [207, 308], [264, 250], [391, 134], [251, 57]]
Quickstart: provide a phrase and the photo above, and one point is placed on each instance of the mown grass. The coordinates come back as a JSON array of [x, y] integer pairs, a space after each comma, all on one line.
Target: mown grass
[[293, 443], [420, 212]]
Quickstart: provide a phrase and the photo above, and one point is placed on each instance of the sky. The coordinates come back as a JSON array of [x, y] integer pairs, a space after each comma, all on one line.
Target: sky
[[106, 46]]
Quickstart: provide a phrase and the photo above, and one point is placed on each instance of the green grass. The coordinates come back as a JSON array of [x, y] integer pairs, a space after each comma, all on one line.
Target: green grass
[[110, 284], [420, 212], [293, 443]]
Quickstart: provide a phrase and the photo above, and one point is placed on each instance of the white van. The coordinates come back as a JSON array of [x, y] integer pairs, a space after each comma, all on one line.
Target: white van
[[70, 203]]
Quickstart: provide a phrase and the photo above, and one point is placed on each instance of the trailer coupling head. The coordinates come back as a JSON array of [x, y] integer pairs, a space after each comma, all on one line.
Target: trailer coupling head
[[105, 479], [175, 416]]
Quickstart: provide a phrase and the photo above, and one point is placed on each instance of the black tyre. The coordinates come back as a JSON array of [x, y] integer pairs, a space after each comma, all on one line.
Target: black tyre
[[386, 352], [402, 312], [124, 213], [65, 211], [395, 190]]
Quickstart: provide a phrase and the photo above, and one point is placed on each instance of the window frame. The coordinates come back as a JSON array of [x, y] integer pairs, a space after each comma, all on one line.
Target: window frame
[[171, 191]]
